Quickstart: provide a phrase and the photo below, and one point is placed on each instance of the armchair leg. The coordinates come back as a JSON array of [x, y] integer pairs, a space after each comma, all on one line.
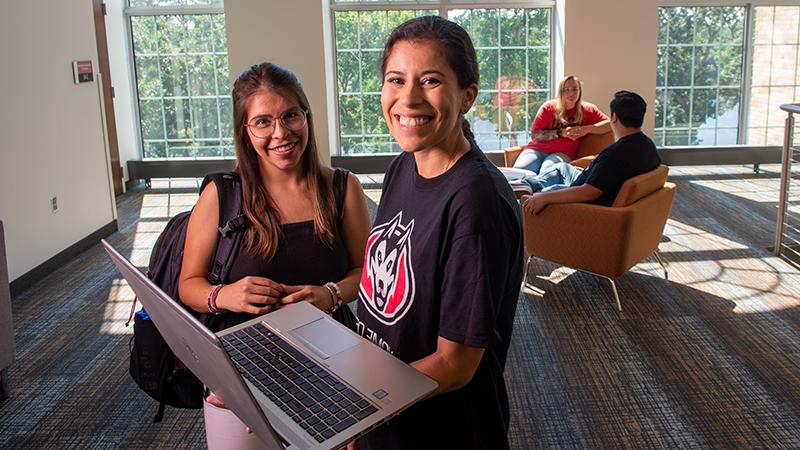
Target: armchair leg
[[616, 295], [527, 267], [658, 258], [613, 284]]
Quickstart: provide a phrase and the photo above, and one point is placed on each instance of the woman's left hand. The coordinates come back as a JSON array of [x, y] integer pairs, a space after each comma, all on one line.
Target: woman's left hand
[[318, 296]]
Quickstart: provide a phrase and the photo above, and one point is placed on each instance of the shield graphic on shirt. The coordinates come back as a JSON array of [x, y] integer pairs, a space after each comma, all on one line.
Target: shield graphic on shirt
[[387, 281]]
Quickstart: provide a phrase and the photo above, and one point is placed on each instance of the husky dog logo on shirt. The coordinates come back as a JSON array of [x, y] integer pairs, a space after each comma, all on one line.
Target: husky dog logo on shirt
[[387, 281]]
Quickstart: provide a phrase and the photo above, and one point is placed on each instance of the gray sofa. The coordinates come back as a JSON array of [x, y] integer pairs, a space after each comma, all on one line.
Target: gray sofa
[[6, 324]]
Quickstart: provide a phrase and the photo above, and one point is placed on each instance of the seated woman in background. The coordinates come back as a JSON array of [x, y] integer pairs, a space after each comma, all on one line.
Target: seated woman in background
[[559, 126], [307, 224]]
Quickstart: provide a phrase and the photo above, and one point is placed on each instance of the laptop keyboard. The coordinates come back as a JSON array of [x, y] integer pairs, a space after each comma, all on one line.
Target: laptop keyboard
[[314, 398]]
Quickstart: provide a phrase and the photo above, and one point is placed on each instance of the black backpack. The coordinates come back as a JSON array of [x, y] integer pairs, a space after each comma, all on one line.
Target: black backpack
[[153, 366]]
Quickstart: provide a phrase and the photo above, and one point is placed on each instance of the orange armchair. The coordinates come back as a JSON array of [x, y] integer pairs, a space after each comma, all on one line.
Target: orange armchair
[[604, 241], [591, 145]]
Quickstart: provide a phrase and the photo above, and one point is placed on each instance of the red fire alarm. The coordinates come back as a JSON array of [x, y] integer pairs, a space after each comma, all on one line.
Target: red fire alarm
[[82, 71]]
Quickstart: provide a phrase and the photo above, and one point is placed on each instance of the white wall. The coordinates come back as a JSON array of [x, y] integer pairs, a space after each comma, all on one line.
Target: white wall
[[610, 46], [51, 136], [258, 31], [124, 83]]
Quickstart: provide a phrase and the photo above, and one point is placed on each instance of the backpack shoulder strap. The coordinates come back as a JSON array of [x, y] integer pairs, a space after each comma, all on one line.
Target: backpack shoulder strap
[[232, 222], [229, 194], [340, 177]]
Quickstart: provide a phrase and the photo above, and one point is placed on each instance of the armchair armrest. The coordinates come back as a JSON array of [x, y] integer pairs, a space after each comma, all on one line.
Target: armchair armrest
[[580, 235], [584, 161], [510, 155], [599, 239]]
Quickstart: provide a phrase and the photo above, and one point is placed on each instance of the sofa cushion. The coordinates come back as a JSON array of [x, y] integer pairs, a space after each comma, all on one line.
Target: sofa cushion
[[641, 186]]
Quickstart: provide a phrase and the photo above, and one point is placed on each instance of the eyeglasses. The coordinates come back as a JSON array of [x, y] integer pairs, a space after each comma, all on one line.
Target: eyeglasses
[[570, 90], [293, 119]]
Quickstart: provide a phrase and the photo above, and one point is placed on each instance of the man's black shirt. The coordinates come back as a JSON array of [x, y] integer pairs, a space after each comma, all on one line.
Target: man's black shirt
[[630, 156]]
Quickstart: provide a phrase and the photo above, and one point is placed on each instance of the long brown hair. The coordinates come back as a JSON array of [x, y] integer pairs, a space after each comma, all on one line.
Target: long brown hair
[[455, 44], [263, 236], [561, 109]]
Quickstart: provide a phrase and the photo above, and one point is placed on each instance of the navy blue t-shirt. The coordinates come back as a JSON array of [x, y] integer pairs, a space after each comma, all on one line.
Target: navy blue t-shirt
[[630, 156], [444, 258]]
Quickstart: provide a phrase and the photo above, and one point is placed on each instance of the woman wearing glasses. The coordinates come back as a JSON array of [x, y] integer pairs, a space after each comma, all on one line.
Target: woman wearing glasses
[[559, 126], [307, 224]]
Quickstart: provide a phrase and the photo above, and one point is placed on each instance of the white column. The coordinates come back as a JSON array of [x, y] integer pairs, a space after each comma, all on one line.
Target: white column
[[610, 46], [289, 34]]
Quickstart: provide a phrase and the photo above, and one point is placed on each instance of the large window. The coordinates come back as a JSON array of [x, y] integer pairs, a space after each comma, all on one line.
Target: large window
[[513, 46], [723, 73], [181, 65], [699, 78], [359, 43]]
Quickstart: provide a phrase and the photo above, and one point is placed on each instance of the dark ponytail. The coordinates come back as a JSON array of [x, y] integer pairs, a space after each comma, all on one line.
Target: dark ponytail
[[467, 131]]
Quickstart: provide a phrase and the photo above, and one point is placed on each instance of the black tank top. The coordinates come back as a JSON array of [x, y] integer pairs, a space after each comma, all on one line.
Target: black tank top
[[302, 258]]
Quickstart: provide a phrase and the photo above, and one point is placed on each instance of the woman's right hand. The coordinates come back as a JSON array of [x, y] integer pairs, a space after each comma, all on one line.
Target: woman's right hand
[[252, 295], [216, 401]]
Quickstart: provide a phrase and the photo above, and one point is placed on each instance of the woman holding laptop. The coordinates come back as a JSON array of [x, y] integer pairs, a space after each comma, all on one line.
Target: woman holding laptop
[[307, 224]]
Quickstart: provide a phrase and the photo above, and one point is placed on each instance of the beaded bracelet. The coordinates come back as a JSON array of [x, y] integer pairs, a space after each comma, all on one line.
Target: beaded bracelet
[[212, 300], [336, 296]]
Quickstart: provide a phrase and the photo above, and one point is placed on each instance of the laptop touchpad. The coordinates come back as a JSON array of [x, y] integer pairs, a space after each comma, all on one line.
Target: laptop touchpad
[[324, 338]]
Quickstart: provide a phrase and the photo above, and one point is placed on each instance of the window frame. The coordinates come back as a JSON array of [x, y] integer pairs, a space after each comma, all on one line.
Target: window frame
[[443, 7], [129, 12], [745, 87], [692, 88]]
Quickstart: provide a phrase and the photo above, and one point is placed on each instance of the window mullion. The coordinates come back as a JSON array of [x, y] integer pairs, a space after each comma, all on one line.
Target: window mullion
[[214, 31], [161, 85], [361, 81], [743, 132], [188, 93], [691, 82]]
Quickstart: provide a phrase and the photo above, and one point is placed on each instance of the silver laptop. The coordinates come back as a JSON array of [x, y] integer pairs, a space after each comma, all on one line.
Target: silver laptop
[[295, 376]]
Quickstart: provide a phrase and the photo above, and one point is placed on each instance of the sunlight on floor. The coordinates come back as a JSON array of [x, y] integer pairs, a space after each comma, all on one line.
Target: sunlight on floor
[[118, 308], [158, 206], [752, 278], [686, 238]]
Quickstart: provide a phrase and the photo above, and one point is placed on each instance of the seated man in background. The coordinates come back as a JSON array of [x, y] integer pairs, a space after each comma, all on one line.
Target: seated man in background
[[630, 155]]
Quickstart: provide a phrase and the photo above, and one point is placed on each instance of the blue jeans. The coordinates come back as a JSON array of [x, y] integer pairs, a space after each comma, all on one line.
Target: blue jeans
[[559, 176], [539, 161]]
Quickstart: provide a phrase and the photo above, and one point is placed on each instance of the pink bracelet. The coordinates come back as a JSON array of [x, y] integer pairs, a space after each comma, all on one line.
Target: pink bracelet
[[212, 300]]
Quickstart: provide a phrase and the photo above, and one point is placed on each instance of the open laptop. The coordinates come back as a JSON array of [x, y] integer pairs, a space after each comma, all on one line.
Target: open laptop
[[295, 376]]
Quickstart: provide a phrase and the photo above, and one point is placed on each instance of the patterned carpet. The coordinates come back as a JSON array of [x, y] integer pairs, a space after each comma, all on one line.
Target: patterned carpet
[[708, 359]]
